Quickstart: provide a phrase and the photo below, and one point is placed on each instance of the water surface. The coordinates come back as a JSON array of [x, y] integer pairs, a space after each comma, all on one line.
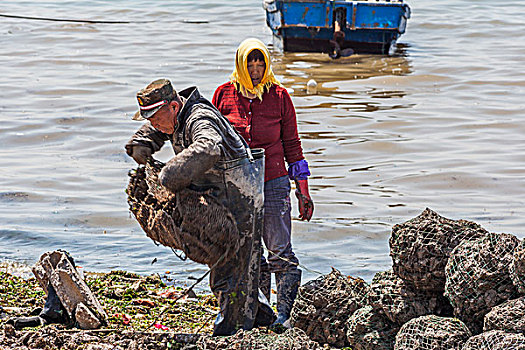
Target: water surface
[[437, 124]]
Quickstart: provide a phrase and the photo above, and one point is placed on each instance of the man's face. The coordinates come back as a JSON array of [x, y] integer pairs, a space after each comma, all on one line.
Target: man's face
[[256, 71], [165, 119]]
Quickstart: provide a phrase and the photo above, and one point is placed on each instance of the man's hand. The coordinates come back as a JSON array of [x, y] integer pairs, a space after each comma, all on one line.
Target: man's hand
[[140, 153], [306, 204]]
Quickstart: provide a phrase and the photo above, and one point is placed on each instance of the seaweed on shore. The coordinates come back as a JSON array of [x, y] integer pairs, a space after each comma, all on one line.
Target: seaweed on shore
[[141, 309], [144, 314]]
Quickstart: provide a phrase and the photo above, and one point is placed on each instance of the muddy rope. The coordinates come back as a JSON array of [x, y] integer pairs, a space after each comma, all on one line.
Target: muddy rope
[[70, 20], [200, 279], [293, 263], [187, 291], [183, 257]]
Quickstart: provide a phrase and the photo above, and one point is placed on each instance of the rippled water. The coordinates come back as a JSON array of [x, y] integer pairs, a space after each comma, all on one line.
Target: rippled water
[[438, 124]]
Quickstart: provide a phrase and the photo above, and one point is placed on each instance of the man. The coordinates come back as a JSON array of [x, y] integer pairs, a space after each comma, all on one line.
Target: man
[[210, 156]]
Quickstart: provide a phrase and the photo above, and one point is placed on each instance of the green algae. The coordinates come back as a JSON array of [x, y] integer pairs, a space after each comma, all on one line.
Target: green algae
[[132, 302]]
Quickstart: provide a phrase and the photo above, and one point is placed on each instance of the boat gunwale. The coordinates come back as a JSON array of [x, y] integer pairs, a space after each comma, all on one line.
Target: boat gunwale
[[349, 28]]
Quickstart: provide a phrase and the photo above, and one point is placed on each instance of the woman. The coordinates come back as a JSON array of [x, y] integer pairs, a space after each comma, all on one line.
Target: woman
[[261, 110]]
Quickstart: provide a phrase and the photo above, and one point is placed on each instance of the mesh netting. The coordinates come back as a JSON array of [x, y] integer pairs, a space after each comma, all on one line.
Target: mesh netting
[[369, 329], [509, 316], [478, 277], [432, 332], [323, 306], [421, 246], [193, 222], [496, 340], [401, 302], [517, 267], [292, 339]]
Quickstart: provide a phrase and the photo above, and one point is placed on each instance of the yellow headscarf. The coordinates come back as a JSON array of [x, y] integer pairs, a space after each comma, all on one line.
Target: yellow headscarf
[[240, 77]]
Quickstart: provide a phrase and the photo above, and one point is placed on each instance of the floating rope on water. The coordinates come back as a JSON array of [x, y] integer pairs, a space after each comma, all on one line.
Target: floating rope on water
[[69, 20], [190, 21]]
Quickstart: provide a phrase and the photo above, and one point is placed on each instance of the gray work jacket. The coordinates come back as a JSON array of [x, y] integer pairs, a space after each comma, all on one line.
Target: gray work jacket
[[203, 136]]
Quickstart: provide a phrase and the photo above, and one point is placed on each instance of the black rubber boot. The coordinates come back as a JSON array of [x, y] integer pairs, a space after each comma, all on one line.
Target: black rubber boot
[[54, 311], [265, 315], [24, 322], [265, 281], [228, 320], [287, 286]]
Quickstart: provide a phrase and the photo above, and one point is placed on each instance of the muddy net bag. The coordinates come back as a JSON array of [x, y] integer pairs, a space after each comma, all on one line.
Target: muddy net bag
[[517, 267], [432, 332], [420, 247], [255, 339], [509, 316], [369, 329], [190, 221], [401, 302], [323, 306], [477, 277], [496, 340]]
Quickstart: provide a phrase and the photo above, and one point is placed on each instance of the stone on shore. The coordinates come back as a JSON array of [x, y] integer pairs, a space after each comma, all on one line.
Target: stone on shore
[[56, 268]]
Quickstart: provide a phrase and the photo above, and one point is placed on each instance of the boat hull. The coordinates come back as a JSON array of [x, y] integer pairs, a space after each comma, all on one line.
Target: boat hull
[[309, 25]]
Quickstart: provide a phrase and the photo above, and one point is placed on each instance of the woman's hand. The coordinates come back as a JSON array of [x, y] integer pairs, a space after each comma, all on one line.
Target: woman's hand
[[306, 204]]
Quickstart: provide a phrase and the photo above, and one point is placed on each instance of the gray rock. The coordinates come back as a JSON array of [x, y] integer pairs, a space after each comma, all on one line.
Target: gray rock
[[55, 268], [85, 318]]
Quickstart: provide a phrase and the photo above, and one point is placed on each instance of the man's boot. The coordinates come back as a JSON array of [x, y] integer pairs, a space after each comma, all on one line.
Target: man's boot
[[53, 312], [23, 322], [236, 281], [227, 321], [265, 314], [288, 283], [265, 281]]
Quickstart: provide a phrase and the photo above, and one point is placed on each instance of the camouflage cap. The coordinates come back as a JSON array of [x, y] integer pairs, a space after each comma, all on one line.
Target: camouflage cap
[[153, 97]]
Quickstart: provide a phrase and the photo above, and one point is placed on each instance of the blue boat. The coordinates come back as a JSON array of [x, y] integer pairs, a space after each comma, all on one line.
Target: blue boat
[[336, 26]]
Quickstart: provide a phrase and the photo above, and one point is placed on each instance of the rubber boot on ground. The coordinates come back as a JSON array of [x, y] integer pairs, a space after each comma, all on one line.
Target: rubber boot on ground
[[53, 312], [236, 280], [288, 283], [227, 321], [265, 315], [24, 322]]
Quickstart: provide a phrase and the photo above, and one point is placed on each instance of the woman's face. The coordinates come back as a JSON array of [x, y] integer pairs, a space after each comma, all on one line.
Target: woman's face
[[256, 70]]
